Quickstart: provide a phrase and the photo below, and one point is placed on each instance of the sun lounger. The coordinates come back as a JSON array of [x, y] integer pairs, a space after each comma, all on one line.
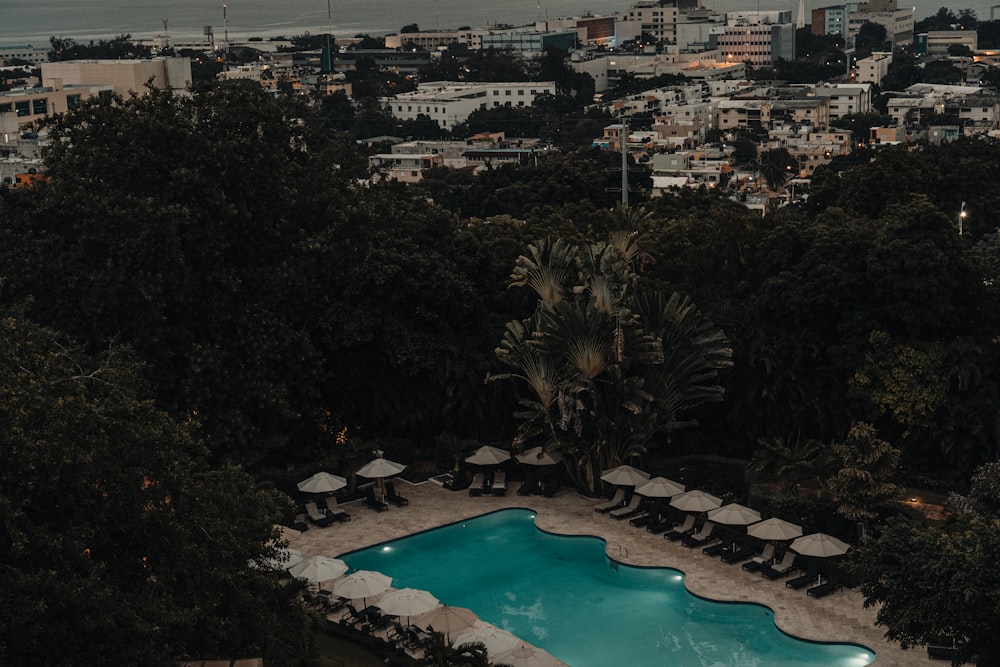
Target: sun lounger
[[782, 569], [803, 580], [661, 524], [653, 515], [618, 500], [478, 484], [393, 497], [335, 510], [316, 516], [757, 563], [702, 537], [827, 587], [679, 531], [739, 554], [626, 511], [715, 549], [500, 483], [374, 503]]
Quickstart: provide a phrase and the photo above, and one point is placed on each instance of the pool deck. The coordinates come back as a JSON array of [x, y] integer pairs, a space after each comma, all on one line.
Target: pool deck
[[840, 617]]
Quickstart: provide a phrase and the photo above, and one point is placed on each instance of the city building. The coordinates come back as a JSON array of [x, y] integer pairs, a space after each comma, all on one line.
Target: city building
[[124, 76], [758, 38], [28, 54], [450, 103], [27, 105], [874, 68]]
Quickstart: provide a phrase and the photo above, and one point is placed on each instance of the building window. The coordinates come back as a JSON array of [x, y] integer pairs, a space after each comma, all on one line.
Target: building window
[[521, 93], [6, 108], [22, 109], [507, 93], [72, 101], [40, 107]]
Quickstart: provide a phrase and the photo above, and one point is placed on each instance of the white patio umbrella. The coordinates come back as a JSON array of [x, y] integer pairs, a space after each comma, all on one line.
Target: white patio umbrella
[[322, 482], [536, 457], [488, 456], [526, 655], [362, 584], [774, 529], [734, 514], [379, 469], [819, 544], [448, 620], [624, 475], [659, 487], [318, 569], [407, 602], [695, 501], [495, 639]]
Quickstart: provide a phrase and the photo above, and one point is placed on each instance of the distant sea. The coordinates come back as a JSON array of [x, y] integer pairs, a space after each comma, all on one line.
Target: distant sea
[[24, 22]]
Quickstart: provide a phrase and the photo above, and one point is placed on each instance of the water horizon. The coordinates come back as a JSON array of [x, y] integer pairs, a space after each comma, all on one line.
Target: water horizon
[[34, 22]]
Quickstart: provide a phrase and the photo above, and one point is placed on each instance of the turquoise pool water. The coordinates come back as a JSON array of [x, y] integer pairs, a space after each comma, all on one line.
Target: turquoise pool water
[[562, 594]]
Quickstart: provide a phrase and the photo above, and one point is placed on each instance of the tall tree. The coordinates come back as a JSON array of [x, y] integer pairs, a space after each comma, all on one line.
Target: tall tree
[[117, 545]]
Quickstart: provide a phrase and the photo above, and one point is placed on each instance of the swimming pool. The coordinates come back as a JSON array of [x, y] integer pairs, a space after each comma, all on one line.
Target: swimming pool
[[563, 594]]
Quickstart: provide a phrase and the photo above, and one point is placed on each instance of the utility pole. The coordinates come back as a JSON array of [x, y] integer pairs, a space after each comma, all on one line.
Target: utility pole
[[624, 142]]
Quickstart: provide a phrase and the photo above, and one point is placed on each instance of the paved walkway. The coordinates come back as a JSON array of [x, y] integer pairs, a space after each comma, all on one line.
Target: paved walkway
[[840, 617]]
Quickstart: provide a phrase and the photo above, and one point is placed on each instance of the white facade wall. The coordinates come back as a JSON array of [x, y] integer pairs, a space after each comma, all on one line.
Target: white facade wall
[[451, 103]]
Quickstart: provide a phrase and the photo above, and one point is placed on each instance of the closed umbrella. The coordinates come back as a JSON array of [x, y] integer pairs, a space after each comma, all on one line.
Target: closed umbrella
[[493, 638], [526, 655], [734, 514], [318, 569], [659, 487], [774, 529], [488, 456], [447, 620], [362, 584], [536, 457], [624, 475], [695, 501], [407, 602], [322, 482]]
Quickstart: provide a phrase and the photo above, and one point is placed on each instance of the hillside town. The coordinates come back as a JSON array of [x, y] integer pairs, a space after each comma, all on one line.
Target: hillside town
[[751, 101]]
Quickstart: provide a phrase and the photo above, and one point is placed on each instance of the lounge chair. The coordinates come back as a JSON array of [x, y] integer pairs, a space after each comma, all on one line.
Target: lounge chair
[[478, 484], [805, 579], [618, 500], [702, 537], [827, 587], [393, 497], [530, 483], [661, 524], [316, 516], [653, 514], [335, 510], [757, 563], [551, 488], [374, 503], [627, 511], [500, 483], [300, 523], [782, 569], [715, 549], [745, 551], [679, 531]]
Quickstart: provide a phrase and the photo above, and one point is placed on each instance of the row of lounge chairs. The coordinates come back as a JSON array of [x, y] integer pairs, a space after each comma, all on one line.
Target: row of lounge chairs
[[486, 485], [328, 514], [655, 517], [391, 496], [372, 621]]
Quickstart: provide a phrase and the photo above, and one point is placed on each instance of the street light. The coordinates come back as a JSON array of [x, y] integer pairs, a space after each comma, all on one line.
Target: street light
[[961, 219]]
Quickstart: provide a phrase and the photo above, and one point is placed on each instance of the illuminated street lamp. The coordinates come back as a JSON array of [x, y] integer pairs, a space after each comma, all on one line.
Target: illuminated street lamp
[[961, 219]]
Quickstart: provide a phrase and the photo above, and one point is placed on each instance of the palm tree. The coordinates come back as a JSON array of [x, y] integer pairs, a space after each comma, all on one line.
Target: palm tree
[[606, 366], [869, 466], [442, 654]]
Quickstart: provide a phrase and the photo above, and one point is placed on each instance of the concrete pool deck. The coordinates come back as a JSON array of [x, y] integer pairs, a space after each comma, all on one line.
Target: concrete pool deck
[[840, 617]]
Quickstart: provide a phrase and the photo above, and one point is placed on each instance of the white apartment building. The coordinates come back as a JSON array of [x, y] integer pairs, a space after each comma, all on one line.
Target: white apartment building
[[846, 99], [759, 38], [874, 68], [449, 102], [30, 104], [433, 40], [28, 54]]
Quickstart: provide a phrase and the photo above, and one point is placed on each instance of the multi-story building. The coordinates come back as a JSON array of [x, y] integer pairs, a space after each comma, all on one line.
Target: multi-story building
[[759, 38], [846, 99], [936, 43], [529, 43], [433, 40], [874, 68], [450, 103], [30, 104], [898, 23], [124, 76], [28, 54]]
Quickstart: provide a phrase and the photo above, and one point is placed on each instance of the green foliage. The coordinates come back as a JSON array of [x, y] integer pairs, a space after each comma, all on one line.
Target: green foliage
[[605, 366], [120, 47], [118, 545], [930, 584], [866, 478], [719, 475]]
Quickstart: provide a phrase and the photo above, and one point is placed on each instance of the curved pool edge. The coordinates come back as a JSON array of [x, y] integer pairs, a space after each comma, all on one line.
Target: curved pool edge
[[841, 616]]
